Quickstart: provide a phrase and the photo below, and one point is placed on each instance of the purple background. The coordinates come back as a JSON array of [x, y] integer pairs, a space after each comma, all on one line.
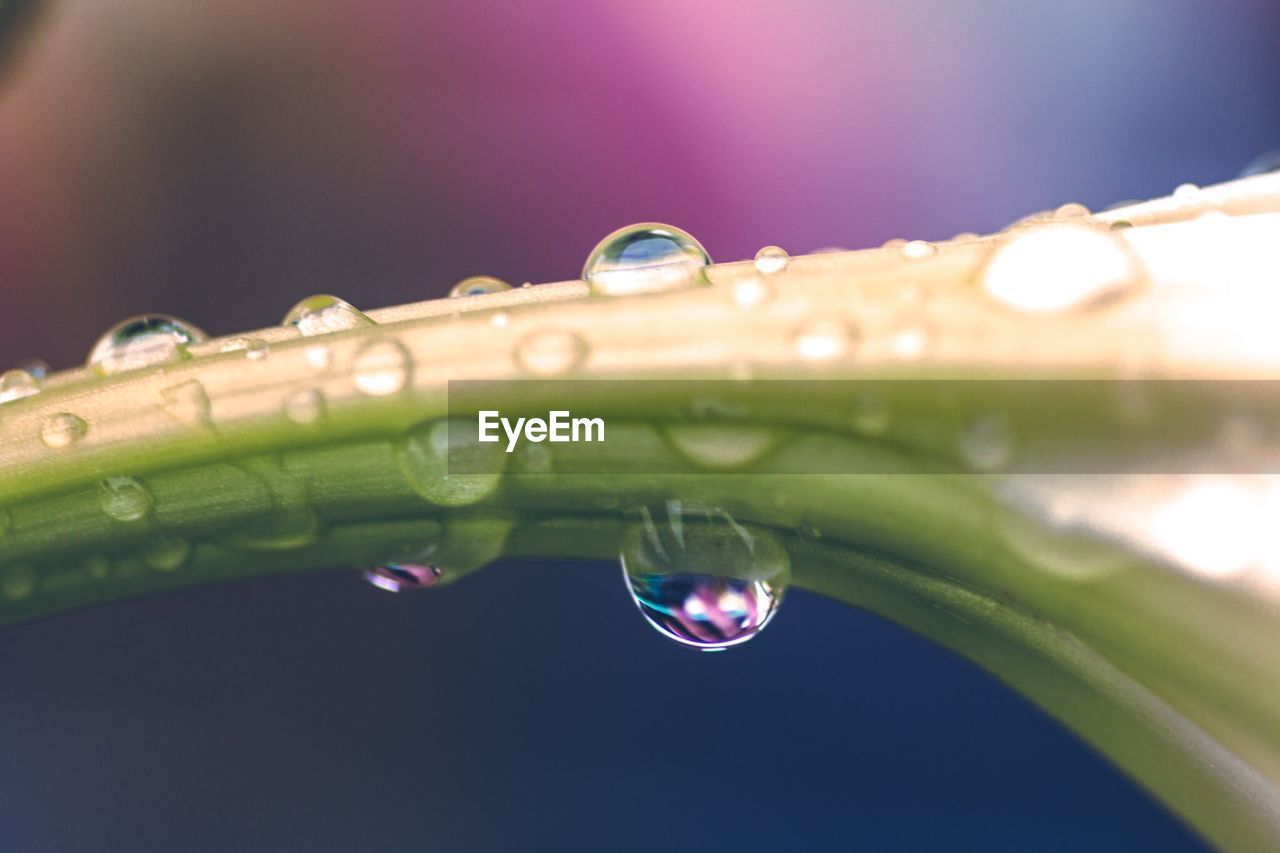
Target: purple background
[[221, 160]]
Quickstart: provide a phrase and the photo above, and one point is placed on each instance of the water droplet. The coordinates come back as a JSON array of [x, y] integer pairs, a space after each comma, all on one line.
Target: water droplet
[[551, 352], [18, 383], [1261, 165], [145, 341], [918, 249], [1121, 223], [479, 285], [429, 452], [1186, 191], [305, 406], [646, 256], [166, 553], [894, 243], [187, 402], [322, 314], [403, 577], [18, 582], [986, 443], [1071, 210], [823, 340], [722, 446], [62, 430], [750, 292], [254, 349], [910, 340], [124, 498], [701, 578], [772, 259], [1059, 266], [381, 368]]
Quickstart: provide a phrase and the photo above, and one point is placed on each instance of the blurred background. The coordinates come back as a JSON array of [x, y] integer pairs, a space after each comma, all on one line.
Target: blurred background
[[219, 161]]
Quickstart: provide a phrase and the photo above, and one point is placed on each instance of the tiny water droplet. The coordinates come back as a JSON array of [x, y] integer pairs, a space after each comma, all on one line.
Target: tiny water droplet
[[305, 406], [254, 349], [1058, 267], [381, 368], [1262, 164], [752, 291], [187, 402], [478, 285], [702, 579], [894, 243], [1071, 210], [1121, 223], [403, 577], [918, 249], [722, 446], [145, 341], [322, 314], [986, 444], [550, 352], [1186, 191], [823, 340], [166, 553], [430, 451], [18, 383], [124, 498], [772, 259], [62, 430], [645, 256]]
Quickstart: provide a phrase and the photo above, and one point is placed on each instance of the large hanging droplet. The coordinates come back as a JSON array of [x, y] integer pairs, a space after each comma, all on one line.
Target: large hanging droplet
[[701, 578], [647, 256], [479, 285], [145, 341], [403, 577], [322, 314]]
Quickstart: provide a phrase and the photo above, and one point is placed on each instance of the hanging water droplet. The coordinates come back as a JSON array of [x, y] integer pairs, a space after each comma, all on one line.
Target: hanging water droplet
[[478, 285], [381, 368], [187, 402], [145, 341], [752, 291], [254, 349], [304, 406], [647, 256], [772, 259], [124, 498], [1060, 266], [322, 314], [432, 455], [550, 352], [18, 383], [918, 249], [823, 340], [701, 578], [166, 553], [403, 577], [62, 430], [1262, 164], [986, 444]]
